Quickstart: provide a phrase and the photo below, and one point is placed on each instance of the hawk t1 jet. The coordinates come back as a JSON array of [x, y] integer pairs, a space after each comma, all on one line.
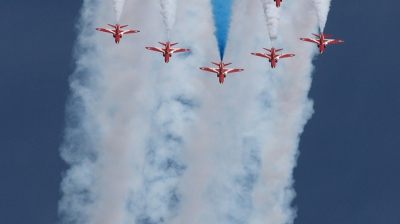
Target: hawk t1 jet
[[321, 41], [167, 51], [273, 57], [221, 70], [117, 32]]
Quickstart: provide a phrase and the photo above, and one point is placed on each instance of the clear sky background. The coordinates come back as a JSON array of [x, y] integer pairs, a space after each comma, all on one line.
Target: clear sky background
[[348, 169]]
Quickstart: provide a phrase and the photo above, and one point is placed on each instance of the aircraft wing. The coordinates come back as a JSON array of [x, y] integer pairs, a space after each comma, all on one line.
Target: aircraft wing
[[284, 56], [155, 49], [262, 55], [130, 31], [105, 30], [332, 41], [209, 69], [178, 50], [310, 40], [232, 70]]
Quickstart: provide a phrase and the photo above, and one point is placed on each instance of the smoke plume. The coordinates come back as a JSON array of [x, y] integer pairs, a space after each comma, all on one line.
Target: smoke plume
[[243, 152], [169, 12], [128, 117], [322, 9], [118, 7], [222, 10], [272, 15]]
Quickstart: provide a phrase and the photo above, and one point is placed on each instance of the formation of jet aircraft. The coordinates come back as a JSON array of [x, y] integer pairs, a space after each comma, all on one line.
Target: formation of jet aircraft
[[221, 70], [117, 32], [167, 51], [321, 41], [273, 57]]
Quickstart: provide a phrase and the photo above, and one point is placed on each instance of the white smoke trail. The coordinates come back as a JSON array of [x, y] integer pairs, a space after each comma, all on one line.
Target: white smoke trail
[[272, 15], [128, 117], [243, 172], [322, 9], [155, 198], [289, 109], [169, 13], [98, 137], [243, 152], [118, 7]]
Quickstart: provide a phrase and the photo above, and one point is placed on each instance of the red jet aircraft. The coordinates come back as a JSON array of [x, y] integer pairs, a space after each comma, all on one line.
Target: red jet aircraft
[[117, 32], [221, 70], [278, 3], [167, 51], [273, 57], [322, 42]]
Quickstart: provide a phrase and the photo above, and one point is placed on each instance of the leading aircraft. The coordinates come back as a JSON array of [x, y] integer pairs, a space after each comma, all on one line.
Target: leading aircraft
[[221, 70], [278, 3], [273, 57], [167, 51], [117, 32], [321, 41]]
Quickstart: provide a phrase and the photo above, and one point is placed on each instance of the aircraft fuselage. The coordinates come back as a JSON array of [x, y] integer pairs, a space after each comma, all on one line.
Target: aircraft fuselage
[[321, 48], [117, 34], [321, 44], [167, 54], [273, 58], [221, 74]]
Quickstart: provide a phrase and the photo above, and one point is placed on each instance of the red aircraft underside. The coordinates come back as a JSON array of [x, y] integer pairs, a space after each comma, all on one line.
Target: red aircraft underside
[[221, 70], [117, 32], [321, 41], [167, 51], [278, 3], [273, 57]]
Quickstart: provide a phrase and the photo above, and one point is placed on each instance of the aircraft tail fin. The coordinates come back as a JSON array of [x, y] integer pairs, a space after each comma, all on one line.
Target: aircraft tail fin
[[123, 26], [227, 64], [173, 44], [113, 26], [162, 43], [315, 35], [267, 49], [215, 63], [278, 49], [327, 35]]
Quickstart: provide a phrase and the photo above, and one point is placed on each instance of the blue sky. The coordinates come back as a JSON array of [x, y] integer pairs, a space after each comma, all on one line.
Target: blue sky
[[349, 153]]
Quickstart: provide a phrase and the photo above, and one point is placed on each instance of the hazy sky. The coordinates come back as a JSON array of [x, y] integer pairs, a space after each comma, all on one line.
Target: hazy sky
[[348, 165]]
